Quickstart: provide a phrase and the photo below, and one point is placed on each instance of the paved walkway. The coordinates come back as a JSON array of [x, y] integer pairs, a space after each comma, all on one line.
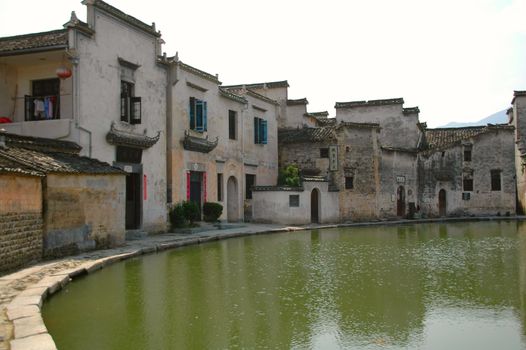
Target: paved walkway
[[23, 292]]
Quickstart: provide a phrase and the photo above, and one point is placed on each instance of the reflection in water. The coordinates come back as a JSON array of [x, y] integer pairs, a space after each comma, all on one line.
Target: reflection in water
[[413, 286]]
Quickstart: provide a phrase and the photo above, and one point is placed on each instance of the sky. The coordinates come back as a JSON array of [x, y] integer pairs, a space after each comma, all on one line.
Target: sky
[[457, 60]]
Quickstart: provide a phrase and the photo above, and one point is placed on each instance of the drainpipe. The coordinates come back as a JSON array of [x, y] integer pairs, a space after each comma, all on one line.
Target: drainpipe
[[170, 81], [76, 101]]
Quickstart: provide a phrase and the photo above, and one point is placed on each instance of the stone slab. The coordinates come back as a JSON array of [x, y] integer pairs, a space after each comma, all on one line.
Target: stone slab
[[23, 311], [24, 301], [36, 342], [29, 326]]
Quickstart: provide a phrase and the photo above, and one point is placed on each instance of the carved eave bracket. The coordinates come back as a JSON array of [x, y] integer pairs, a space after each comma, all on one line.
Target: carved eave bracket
[[197, 144], [125, 138]]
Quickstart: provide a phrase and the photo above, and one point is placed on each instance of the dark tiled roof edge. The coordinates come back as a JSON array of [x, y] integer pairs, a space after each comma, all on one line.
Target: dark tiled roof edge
[[150, 29], [42, 144], [411, 110], [518, 93], [261, 97], [34, 42], [268, 85], [384, 102], [299, 101], [230, 95], [198, 72], [323, 114]]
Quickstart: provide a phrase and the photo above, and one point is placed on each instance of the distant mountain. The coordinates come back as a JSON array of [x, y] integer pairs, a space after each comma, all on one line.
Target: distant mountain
[[497, 118]]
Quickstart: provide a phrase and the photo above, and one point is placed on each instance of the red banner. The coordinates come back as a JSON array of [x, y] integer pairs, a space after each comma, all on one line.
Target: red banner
[[204, 187], [144, 187], [187, 185]]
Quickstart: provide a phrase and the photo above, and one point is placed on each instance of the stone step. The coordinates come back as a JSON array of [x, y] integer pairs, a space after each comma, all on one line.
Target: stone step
[[135, 234]]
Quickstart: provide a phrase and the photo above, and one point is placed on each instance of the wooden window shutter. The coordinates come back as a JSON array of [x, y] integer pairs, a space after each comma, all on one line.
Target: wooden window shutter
[[205, 116], [124, 107], [199, 110], [263, 130], [136, 110], [192, 113]]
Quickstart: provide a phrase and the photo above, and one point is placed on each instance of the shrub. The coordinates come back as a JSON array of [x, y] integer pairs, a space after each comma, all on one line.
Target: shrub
[[289, 176], [212, 211], [177, 217], [192, 211]]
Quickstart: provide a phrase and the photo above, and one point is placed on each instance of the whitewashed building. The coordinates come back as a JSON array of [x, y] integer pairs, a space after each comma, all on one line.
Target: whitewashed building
[[110, 98]]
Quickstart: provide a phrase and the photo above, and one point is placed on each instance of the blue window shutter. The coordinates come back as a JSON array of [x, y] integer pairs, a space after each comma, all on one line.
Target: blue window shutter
[[263, 137], [205, 116], [192, 113], [199, 115], [256, 130]]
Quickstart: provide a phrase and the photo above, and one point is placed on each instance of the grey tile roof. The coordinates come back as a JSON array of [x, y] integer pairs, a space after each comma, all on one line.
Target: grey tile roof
[[232, 96], [268, 85], [441, 138], [54, 162], [123, 138], [43, 156], [9, 166], [42, 144], [411, 110], [384, 102], [198, 72], [304, 135], [299, 101], [325, 121], [323, 114], [241, 91], [43, 41]]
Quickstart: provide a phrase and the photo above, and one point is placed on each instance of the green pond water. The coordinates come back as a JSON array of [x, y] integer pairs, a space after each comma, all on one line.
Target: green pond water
[[432, 286]]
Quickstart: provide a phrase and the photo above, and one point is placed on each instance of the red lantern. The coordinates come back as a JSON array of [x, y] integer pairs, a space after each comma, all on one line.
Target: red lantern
[[63, 72]]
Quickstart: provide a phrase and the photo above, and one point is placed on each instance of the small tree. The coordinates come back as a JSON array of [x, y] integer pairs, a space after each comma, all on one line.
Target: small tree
[[177, 217], [289, 176], [192, 212], [212, 211]]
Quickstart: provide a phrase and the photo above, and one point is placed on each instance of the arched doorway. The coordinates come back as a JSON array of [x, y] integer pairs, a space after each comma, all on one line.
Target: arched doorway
[[232, 211], [442, 205], [400, 201], [315, 206]]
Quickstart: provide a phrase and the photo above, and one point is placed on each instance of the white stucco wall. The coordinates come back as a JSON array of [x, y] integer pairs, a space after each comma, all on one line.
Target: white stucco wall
[[272, 206], [232, 157], [98, 78]]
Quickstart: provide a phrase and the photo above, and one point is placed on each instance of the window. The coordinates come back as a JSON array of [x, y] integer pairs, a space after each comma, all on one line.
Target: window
[[232, 117], [130, 104], [260, 131], [467, 154], [495, 180], [198, 114], [349, 182], [324, 153], [250, 181], [219, 187], [467, 184], [294, 200], [44, 103]]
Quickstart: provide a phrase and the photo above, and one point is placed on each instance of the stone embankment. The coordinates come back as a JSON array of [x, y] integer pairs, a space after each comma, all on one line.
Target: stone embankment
[[23, 292]]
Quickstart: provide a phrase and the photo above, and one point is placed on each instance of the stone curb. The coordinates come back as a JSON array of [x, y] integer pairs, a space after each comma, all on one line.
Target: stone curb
[[24, 311]]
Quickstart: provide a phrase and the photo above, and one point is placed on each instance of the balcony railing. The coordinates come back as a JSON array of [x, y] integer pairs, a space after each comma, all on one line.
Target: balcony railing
[[42, 107]]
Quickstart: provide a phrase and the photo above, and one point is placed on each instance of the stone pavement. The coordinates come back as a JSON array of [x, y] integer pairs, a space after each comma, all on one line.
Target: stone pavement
[[23, 292]]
